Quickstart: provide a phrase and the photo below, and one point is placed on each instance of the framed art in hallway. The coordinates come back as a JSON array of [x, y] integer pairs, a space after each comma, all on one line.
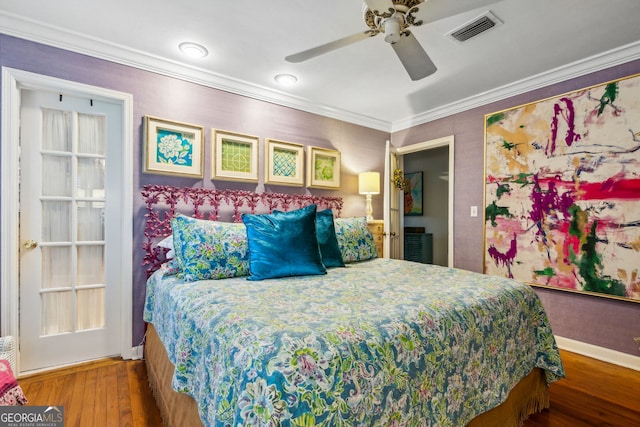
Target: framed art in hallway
[[234, 156], [173, 148], [284, 163], [323, 168], [562, 191], [413, 194]]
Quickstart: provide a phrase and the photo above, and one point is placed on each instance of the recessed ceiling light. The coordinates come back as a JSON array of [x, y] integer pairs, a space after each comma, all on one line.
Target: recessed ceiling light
[[193, 50], [286, 79]]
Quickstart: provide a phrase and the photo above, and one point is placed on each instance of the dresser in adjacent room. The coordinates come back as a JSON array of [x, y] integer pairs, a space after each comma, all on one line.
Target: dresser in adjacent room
[[418, 245]]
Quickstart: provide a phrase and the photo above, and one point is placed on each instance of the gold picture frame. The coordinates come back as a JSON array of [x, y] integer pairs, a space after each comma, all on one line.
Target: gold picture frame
[[234, 156], [173, 148], [283, 163], [323, 168]]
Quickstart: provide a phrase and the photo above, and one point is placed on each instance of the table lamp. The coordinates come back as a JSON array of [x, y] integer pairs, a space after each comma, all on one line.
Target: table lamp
[[369, 184]]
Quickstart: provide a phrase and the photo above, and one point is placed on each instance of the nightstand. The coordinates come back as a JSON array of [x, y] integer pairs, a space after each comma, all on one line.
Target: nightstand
[[376, 227]]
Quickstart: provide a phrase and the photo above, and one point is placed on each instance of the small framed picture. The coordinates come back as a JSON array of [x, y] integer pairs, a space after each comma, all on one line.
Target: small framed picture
[[173, 148], [413, 194], [323, 168], [234, 156], [284, 163]]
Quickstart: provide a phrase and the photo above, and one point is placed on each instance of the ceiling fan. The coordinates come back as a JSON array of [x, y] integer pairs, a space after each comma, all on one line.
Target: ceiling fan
[[394, 18]]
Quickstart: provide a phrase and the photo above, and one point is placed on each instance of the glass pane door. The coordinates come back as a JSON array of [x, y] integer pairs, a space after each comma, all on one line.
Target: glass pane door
[[72, 241]]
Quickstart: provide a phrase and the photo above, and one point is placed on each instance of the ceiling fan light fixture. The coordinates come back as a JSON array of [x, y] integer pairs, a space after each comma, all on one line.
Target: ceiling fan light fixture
[[193, 50], [392, 30], [286, 79]]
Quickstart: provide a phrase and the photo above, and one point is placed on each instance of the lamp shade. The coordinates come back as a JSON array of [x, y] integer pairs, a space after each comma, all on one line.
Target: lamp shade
[[369, 183]]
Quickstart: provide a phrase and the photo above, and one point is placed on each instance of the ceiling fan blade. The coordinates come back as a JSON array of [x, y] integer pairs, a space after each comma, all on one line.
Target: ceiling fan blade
[[380, 5], [413, 57], [435, 10], [328, 47]]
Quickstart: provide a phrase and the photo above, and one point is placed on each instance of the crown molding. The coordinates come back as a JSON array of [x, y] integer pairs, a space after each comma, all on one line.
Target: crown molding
[[585, 66], [18, 26]]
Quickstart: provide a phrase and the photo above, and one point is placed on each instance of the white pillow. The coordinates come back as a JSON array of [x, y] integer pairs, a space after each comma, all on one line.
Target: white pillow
[[167, 243]]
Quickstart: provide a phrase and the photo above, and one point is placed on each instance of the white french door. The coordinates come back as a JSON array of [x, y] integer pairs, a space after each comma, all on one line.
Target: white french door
[[393, 219], [70, 305]]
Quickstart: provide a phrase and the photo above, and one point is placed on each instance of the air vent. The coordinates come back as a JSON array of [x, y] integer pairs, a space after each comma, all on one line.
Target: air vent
[[477, 26]]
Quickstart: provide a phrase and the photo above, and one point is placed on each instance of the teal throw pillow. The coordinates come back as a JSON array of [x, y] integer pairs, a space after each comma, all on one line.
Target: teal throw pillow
[[283, 244], [326, 234], [327, 240]]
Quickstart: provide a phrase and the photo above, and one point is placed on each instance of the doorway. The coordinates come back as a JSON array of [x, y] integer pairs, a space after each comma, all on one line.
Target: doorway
[[81, 311], [438, 184]]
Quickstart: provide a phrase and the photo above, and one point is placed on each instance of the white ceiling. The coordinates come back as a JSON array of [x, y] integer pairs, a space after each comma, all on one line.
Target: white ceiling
[[539, 42]]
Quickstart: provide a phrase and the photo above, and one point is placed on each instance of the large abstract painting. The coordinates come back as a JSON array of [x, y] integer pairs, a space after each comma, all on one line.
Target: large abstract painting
[[562, 191]]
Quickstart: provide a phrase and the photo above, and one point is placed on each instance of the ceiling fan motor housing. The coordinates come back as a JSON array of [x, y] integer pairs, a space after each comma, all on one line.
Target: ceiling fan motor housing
[[393, 22]]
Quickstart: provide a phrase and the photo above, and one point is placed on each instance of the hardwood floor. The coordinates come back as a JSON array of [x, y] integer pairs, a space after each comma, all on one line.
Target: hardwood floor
[[115, 393], [110, 392], [594, 393]]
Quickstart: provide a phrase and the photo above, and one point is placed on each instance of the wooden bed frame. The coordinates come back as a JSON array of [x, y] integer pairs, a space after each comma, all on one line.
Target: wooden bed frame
[[529, 396]]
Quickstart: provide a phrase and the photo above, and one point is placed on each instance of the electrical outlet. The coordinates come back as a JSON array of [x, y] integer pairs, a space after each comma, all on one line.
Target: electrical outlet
[[637, 340], [474, 211]]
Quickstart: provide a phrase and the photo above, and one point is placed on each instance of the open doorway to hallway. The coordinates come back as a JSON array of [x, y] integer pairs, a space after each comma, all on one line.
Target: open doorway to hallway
[[434, 166], [435, 159]]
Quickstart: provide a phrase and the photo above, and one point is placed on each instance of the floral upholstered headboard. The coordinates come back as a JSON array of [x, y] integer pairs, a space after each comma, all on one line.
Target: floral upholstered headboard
[[164, 202]]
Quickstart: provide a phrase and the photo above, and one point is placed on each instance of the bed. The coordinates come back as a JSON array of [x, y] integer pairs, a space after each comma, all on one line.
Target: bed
[[376, 342]]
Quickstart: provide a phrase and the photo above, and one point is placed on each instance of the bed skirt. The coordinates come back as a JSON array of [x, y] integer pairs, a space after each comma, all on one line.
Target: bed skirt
[[529, 396]]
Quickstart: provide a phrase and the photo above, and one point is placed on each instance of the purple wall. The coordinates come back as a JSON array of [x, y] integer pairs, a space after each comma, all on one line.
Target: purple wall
[[603, 322], [361, 148], [596, 320]]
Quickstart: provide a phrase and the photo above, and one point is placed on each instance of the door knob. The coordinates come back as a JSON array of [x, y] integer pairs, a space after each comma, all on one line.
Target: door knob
[[30, 244]]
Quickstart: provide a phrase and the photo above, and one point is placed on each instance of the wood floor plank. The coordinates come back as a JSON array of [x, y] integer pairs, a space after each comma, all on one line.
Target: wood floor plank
[[73, 411], [100, 410], [111, 382], [66, 390], [89, 406], [124, 396], [55, 392]]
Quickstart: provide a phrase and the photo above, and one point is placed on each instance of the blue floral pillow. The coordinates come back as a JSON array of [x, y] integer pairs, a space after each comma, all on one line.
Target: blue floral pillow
[[209, 249], [355, 239], [283, 244]]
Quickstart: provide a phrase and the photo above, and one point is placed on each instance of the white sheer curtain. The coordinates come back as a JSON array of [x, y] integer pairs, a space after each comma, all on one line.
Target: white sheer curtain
[[73, 200], [91, 149], [57, 281]]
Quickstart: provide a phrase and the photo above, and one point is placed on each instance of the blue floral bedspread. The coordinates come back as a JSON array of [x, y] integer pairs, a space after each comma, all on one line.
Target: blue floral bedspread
[[379, 343]]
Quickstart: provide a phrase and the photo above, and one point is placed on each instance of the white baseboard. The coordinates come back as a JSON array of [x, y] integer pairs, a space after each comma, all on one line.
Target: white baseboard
[[600, 353]]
